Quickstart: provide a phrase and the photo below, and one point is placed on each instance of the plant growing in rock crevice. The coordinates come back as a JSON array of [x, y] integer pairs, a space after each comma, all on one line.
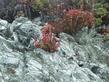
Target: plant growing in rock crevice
[[49, 41]]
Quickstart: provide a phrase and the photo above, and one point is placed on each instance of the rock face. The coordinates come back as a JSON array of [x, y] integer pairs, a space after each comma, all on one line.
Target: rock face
[[80, 59]]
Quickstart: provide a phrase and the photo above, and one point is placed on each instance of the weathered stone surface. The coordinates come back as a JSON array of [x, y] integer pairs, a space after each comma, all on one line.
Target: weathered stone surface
[[83, 59]]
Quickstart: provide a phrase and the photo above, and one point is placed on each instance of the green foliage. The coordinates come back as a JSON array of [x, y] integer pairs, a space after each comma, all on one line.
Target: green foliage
[[98, 21], [39, 4], [106, 37], [100, 11]]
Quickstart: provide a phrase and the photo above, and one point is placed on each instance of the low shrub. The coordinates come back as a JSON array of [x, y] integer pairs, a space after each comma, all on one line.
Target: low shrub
[[72, 21]]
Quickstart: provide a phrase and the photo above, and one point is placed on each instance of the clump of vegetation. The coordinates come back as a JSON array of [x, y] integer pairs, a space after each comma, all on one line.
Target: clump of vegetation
[[49, 41], [106, 38], [38, 4], [81, 18], [72, 21], [100, 11]]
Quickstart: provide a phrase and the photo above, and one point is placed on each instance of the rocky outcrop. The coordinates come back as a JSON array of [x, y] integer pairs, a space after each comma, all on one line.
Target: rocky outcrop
[[80, 59]]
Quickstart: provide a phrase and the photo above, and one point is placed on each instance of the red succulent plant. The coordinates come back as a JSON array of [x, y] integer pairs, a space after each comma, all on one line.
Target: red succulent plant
[[73, 20], [87, 17], [49, 41]]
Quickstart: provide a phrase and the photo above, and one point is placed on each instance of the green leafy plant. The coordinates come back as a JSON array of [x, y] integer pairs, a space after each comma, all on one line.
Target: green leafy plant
[[100, 11], [38, 4], [106, 38], [98, 21]]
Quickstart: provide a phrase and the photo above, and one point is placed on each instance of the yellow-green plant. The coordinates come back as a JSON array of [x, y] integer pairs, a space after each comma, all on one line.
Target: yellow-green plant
[[98, 21], [106, 37], [39, 4], [99, 11]]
